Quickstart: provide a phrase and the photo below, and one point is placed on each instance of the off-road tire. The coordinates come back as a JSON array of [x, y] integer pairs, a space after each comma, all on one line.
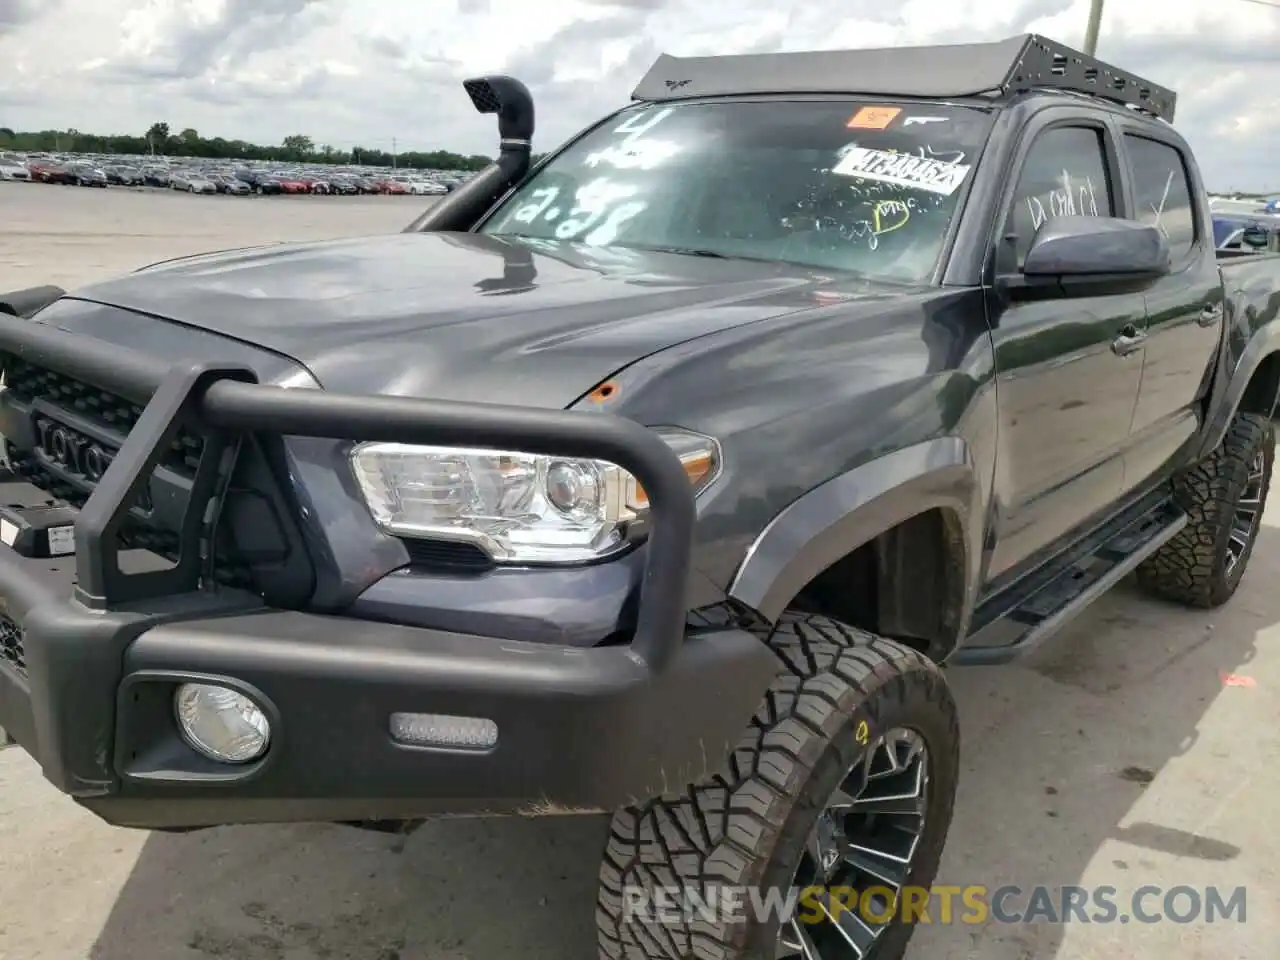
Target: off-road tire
[[747, 826], [1192, 568]]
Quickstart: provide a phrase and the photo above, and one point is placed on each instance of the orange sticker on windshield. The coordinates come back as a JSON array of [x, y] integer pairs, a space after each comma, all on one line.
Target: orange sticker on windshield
[[873, 118]]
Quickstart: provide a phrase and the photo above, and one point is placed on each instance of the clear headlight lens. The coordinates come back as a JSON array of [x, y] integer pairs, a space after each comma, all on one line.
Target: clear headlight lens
[[517, 507]]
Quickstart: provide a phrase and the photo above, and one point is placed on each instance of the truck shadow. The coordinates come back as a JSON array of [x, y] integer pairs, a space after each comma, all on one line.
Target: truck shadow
[[1058, 753]]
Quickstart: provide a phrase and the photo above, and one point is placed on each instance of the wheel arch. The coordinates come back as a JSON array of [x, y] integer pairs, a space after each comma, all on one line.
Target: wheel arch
[[1253, 387], [1262, 389], [1247, 375], [892, 546]]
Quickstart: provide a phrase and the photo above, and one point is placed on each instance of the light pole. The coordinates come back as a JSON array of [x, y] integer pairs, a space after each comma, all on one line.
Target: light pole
[[1091, 31]]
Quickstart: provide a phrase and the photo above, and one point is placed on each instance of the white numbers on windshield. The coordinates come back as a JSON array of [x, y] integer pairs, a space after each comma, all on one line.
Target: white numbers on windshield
[[540, 202], [607, 232], [592, 205], [600, 208], [634, 151], [642, 123]]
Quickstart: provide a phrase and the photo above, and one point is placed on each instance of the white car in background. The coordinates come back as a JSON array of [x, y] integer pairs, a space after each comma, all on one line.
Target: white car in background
[[421, 187], [12, 168]]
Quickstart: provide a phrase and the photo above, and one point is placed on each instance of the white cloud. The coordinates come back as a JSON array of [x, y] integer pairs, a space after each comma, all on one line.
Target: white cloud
[[348, 72]]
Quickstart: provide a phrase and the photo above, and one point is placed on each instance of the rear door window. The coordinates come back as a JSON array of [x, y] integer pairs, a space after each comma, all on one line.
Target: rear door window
[[1162, 192]]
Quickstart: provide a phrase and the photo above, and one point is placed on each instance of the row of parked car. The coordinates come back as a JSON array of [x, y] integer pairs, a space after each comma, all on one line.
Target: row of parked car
[[233, 179]]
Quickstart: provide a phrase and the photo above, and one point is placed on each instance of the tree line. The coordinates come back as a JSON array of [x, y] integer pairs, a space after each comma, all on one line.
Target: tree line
[[296, 148]]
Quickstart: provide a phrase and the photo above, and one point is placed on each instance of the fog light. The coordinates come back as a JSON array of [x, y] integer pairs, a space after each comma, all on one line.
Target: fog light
[[444, 732], [220, 723]]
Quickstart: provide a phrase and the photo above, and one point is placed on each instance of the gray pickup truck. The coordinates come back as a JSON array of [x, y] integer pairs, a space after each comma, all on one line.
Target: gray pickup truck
[[658, 479]]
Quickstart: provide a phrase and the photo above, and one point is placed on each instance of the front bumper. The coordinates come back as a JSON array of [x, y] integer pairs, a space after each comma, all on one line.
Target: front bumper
[[92, 651]]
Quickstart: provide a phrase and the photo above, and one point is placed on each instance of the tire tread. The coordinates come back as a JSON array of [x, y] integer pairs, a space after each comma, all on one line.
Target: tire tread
[[1190, 567], [720, 831]]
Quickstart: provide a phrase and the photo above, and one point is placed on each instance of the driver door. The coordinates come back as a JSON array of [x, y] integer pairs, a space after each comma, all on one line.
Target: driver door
[[1068, 370]]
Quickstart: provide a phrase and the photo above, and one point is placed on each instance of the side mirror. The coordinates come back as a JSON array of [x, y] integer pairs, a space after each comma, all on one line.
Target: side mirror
[[1094, 256]]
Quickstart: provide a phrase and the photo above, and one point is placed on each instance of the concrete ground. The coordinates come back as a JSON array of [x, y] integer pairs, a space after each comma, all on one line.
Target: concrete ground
[[1139, 748]]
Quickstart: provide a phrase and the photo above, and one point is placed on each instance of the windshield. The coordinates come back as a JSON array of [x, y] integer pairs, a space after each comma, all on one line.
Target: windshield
[[847, 185]]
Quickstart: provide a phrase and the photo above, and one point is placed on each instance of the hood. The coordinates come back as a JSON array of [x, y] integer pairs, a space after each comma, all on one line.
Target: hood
[[465, 316]]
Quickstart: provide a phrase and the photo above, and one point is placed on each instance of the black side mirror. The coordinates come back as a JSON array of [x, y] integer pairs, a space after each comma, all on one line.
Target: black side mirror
[[1092, 256]]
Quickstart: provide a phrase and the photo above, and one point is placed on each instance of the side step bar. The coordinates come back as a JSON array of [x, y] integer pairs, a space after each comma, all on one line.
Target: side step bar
[[1037, 617]]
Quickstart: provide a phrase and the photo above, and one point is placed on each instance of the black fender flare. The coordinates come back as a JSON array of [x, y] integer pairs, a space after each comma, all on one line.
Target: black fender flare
[[1225, 400], [854, 508]]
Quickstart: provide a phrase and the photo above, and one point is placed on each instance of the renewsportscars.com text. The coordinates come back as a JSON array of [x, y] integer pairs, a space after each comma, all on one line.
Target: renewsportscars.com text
[[975, 904]]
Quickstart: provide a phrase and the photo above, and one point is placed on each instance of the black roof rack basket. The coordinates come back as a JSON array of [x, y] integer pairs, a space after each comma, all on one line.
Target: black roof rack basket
[[1000, 69]]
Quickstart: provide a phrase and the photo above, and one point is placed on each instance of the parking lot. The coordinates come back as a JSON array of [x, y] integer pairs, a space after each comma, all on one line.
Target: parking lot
[[1140, 748]]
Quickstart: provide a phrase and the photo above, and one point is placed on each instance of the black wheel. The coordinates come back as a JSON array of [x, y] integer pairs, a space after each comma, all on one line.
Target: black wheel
[[842, 787], [1223, 496]]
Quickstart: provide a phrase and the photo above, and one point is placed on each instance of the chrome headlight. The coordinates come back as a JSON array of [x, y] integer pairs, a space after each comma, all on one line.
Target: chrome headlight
[[517, 507]]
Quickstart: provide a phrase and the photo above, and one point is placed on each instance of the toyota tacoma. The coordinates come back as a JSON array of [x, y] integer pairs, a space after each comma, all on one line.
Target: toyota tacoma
[[661, 478]]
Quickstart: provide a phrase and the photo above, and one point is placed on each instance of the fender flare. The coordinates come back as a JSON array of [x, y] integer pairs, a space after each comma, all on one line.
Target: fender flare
[[1228, 391], [854, 508]]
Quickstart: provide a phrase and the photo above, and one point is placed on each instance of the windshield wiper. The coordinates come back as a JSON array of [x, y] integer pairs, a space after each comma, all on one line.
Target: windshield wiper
[[688, 252]]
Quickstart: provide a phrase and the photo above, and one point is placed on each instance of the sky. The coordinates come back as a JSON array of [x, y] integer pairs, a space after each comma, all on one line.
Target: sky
[[348, 72]]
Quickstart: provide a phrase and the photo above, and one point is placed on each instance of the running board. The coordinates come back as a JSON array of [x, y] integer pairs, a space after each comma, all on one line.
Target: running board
[[1042, 614]]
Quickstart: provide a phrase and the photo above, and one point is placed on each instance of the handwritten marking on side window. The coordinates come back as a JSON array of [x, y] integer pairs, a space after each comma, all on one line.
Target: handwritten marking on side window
[[1070, 198], [903, 169], [1158, 210]]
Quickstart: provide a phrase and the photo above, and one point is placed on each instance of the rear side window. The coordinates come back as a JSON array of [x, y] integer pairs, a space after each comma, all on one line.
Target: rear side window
[[1162, 192], [1065, 174]]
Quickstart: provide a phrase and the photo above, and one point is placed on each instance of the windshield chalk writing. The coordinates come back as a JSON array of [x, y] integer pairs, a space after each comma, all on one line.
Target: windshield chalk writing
[[540, 202], [635, 151], [601, 206]]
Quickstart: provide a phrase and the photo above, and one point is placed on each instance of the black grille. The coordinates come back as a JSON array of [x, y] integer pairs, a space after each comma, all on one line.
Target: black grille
[[28, 382], [111, 411], [11, 649]]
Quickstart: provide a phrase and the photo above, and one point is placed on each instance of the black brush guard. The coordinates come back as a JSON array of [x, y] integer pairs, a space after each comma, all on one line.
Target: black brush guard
[[578, 729]]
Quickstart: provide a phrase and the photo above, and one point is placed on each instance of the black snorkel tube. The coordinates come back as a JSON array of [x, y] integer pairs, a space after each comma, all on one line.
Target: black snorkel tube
[[511, 101]]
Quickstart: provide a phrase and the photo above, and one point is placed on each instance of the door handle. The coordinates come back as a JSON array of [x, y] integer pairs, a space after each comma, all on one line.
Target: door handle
[[1210, 314], [1130, 340]]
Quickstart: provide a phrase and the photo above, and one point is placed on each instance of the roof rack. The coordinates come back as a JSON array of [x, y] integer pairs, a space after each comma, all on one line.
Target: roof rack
[[999, 69]]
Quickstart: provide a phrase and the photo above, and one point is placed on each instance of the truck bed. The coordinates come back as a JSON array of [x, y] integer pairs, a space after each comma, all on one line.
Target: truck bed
[[1234, 256]]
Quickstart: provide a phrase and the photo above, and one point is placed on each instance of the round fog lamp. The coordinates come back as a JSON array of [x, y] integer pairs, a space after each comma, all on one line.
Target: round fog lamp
[[220, 723]]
